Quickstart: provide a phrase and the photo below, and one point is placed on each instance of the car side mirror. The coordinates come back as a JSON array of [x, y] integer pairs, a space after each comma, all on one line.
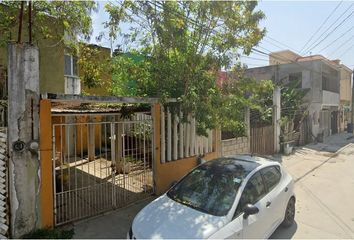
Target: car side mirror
[[250, 209]]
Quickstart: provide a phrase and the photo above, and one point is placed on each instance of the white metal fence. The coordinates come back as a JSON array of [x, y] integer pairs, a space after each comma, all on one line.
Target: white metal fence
[[4, 210], [179, 139], [99, 166]]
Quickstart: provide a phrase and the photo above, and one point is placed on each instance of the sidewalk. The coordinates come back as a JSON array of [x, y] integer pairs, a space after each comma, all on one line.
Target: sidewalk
[[113, 224]]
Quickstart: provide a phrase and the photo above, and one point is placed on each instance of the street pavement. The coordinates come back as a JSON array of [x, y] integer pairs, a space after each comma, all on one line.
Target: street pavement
[[324, 188], [324, 175]]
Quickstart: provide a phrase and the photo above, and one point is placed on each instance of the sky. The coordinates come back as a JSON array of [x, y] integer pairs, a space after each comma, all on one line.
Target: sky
[[290, 25]]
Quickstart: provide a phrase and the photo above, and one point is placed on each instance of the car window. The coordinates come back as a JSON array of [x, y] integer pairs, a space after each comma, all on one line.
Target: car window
[[211, 187], [271, 176], [252, 193]]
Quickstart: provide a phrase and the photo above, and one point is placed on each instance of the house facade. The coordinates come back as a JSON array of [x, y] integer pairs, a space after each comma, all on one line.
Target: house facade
[[58, 68], [323, 79]]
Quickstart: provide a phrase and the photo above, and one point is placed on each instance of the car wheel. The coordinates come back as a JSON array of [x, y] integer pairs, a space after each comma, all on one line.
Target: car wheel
[[289, 214]]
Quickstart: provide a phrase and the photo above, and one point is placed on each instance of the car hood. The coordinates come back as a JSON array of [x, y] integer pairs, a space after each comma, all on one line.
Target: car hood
[[165, 218]]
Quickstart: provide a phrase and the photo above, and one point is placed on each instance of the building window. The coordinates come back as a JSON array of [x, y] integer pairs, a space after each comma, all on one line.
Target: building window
[[72, 81], [70, 65], [296, 77]]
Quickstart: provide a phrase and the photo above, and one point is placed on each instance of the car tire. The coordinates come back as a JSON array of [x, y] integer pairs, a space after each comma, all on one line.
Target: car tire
[[289, 214]]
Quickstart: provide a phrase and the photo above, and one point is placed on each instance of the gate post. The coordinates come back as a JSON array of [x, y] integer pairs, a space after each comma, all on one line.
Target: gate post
[[23, 92], [46, 164], [248, 128], [156, 111], [276, 118]]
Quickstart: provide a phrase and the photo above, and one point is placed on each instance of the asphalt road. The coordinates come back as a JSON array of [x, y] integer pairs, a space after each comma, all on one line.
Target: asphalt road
[[324, 190]]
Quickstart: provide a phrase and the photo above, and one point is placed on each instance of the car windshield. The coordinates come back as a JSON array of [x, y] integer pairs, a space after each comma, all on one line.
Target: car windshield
[[211, 187]]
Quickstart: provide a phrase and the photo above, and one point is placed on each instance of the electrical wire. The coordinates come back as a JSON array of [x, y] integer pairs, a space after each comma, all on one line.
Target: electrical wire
[[324, 22], [316, 43], [269, 37], [335, 40], [340, 46], [340, 24]]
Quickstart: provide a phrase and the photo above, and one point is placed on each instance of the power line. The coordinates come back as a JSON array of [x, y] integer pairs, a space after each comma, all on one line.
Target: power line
[[343, 21], [346, 51], [324, 22], [310, 47], [254, 50], [340, 46], [335, 40], [281, 43]]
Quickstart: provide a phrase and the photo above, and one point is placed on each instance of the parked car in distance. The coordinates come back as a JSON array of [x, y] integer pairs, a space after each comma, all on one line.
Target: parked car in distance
[[241, 196]]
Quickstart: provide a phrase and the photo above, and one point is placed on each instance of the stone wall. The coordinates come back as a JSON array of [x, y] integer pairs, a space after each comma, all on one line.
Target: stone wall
[[234, 146]]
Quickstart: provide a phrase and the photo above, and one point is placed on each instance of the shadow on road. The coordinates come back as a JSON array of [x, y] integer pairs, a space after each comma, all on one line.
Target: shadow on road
[[284, 233]]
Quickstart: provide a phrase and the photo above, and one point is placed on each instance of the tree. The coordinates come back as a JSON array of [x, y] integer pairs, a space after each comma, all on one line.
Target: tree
[[90, 64], [187, 43], [292, 102], [50, 20]]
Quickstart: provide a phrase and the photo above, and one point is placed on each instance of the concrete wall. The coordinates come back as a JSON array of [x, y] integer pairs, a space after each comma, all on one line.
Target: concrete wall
[[345, 86], [23, 125], [235, 146], [330, 98]]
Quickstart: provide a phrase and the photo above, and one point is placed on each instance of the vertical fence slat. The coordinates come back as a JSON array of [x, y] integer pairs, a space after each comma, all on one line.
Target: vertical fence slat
[[175, 137], [187, 139], [181, 137], [169, 136], [210, 141], [163, 138], [193, 136]]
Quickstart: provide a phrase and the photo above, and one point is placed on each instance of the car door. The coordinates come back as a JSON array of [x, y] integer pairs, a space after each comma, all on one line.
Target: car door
[[275, 197], [254, 226]]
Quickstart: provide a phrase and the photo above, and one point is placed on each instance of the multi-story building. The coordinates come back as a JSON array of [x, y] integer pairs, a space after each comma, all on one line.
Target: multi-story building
[[328, 83]]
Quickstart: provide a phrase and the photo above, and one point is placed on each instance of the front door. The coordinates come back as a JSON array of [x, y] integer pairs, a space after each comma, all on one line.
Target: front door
[[334, 122]]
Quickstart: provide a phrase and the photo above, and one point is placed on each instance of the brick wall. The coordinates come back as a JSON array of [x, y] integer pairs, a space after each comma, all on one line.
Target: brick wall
[[235, 146]]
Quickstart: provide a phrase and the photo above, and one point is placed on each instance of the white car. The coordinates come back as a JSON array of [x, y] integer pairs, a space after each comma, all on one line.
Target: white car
[[232, 197]]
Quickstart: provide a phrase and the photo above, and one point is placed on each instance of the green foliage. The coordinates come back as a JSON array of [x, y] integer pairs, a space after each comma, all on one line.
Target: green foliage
[[291, 104], [50, 20], [237, 95], [91, 67], [130, 76], [50, 234], [186, 43]]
